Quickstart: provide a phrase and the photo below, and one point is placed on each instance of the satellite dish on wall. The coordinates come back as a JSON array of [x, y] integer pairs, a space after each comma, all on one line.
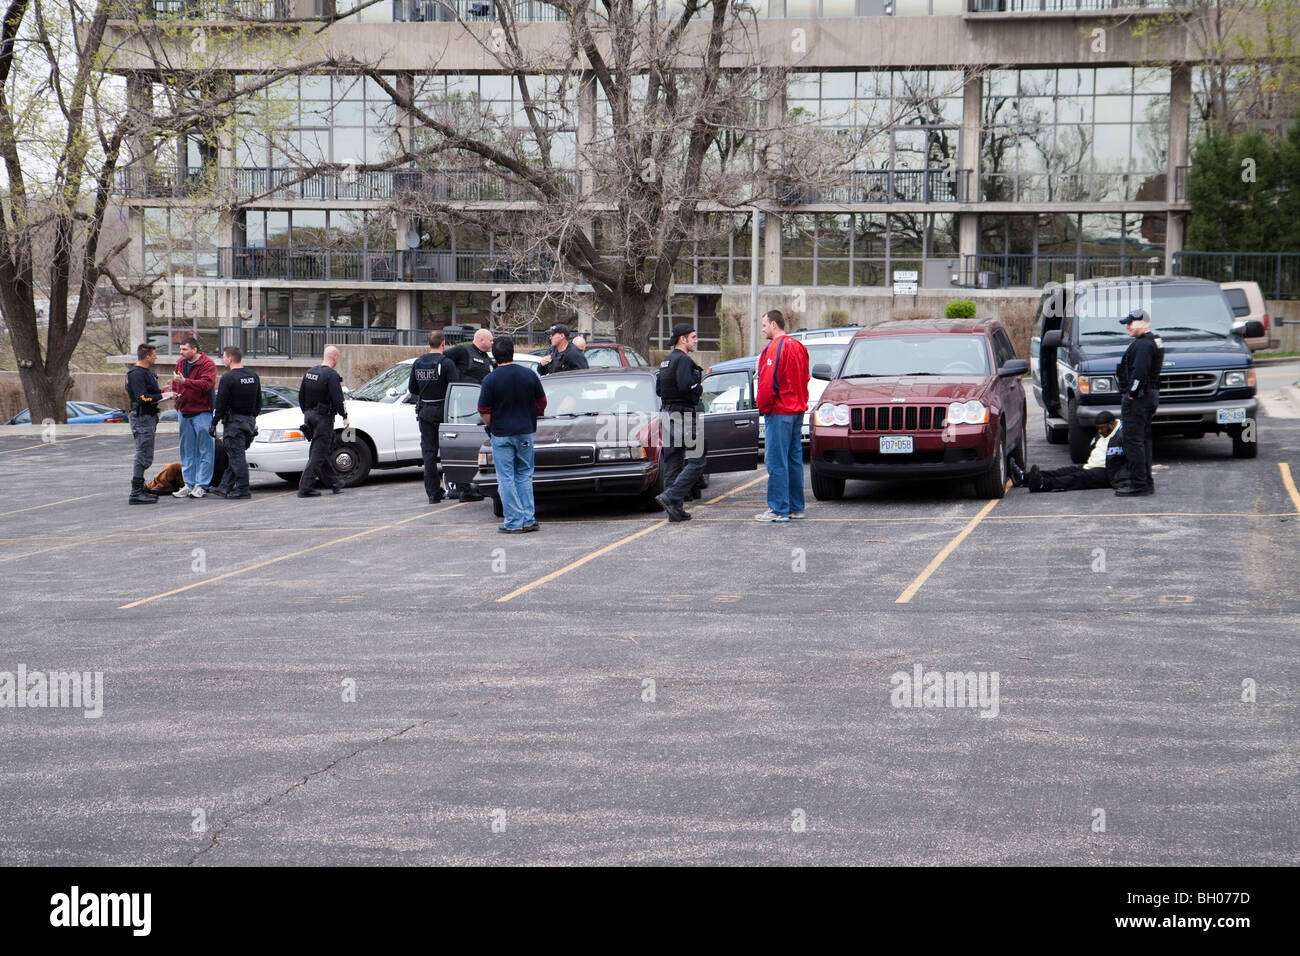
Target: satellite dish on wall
[[412, 239]]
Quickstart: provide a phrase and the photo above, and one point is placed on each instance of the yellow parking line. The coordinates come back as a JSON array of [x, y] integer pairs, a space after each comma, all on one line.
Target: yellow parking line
[[47, 444], [910, 591], [51, 504], [610, 547], [283, 557], [1289, 483]]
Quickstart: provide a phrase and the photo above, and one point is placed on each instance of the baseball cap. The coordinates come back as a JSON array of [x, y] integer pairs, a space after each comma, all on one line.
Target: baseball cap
[[680, 331], [559, 327], [1137, 315]]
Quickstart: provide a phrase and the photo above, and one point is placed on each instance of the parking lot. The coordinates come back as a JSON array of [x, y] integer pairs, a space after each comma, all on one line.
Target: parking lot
[[616, 689]]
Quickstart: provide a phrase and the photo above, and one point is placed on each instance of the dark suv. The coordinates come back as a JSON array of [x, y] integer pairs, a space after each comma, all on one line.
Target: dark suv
[[1207, 383], [935, 398]]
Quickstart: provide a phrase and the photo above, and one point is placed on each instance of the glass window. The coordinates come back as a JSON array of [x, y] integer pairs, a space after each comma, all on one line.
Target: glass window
[[727, 392], [897, 355]]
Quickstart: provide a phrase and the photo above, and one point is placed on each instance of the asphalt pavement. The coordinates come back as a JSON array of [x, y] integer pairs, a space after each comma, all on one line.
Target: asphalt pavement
[[366, 678]]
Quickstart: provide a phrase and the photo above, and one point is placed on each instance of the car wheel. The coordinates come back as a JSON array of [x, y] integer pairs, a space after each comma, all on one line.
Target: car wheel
[[647, 498], [351, 461], [1080, 438], [1242, 448], [1021, 454], [993, 483], [498, 508], [293, 477], [825, 488]]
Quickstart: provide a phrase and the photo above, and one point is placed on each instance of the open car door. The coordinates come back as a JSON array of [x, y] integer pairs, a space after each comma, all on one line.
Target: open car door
[[461, 433], [730, 422]]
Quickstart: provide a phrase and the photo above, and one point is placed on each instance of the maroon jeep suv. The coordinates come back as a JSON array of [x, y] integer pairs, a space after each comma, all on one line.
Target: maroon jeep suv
[[934, 398]]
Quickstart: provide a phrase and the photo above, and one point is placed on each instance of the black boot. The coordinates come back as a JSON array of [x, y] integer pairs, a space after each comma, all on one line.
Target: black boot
[[1017, 473], [140, 495]]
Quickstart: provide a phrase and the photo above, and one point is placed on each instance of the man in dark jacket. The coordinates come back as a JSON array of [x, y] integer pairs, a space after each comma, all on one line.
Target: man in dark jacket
[[193, 381], [509, 402], [239, 402], [143, 395], [474, 362], [682, 453], [564, 356], [1138, 375], [321, 398], [1105, 467], [431, 373]]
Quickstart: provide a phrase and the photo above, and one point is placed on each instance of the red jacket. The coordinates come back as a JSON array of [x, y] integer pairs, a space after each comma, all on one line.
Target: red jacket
[[194, 395], [783, 385]]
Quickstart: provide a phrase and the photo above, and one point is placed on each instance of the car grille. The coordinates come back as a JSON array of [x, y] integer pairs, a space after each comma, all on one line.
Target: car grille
[[897, 418], [563, 455], [1188, 384]]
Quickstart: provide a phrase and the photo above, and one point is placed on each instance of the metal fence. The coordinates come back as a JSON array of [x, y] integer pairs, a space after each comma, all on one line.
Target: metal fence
[[309, 341], [991, 271], [385, 265], [444, 11], [946, 184], [1030, 6], [225, 9], [1278, 273]]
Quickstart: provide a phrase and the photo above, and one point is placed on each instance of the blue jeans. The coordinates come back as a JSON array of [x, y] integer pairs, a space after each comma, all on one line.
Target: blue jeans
[[197, 450], [783, 456], [513, 458]]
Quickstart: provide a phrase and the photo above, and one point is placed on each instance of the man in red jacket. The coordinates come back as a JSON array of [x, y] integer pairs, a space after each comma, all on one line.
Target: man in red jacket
[[782, 401], [193, 381]]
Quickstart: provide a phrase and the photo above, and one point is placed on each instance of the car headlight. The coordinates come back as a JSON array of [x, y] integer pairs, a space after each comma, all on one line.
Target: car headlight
[[282, 434], [621, 453], [1239, 379], [485, 459], [841, 414], [1097, 384], [826, 414], [967, 413]]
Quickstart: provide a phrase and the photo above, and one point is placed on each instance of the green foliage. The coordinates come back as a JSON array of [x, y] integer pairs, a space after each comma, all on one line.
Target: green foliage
[[1244, 193], [831, 318], [959, 309]]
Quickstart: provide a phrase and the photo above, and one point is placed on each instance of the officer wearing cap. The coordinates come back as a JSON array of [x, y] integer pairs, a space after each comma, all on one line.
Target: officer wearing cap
[[431, 373], [474, 361], [679, 387], [1104, 468], [564, 356], [1139, 383], [321, 398]]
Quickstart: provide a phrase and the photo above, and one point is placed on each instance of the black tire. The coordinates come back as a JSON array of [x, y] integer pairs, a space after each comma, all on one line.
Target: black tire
[[825, 488], [1053, 436], [1021, 453], [498, 508], [352, 462], [293, 477], [646, 500], [1080, 437], [1241, 448], [993, 483]]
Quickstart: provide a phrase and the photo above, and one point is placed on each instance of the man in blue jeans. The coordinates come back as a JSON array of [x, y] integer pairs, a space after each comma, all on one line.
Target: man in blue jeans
[[509, 401]]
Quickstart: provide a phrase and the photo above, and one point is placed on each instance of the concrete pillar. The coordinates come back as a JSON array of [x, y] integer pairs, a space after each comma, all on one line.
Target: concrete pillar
[[772, 228], [972, 114], [586, 128], [139, 95], [1175, 233], [1180, 110], [230, 230], [586, 308]]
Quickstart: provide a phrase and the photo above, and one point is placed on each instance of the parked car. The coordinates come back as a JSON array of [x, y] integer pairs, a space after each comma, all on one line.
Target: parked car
[[838, 331], [1207, 383], [604, 354], [384, 432], [1247, 304], [938, 398], [600, 434], [824, 350], [79, 413], [273, 397]]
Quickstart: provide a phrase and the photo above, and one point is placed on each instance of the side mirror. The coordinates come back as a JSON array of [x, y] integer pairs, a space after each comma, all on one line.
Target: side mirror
[[1252, 329], [392, 393], [346, 390], [822, 371], [1051, 340], [1014, 368]]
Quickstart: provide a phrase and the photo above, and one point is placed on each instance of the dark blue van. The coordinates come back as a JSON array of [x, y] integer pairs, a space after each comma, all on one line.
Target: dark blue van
[[1208, 380]]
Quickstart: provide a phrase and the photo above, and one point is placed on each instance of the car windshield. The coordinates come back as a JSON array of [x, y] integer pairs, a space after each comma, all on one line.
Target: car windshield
[[1176, 310], [890, 355], [376, 390], [819, 354], [599, 396]]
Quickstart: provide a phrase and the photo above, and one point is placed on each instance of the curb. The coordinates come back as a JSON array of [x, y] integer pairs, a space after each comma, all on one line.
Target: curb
[[78, 431]]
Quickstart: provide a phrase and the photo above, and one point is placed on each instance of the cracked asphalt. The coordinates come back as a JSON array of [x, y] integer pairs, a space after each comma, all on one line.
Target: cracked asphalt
[[711, 692]]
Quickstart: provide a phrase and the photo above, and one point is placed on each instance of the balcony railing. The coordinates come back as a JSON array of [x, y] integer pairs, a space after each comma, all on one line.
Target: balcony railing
[[293, 183], [885, 186], [443, 11], [1278, 273], [309, 341], [386, 265], [1066, 6], [224, 9], [992, 271]]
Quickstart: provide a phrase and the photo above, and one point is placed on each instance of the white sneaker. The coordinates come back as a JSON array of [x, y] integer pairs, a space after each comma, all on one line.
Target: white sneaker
[[770, 515], [198, 492], [183, 493]]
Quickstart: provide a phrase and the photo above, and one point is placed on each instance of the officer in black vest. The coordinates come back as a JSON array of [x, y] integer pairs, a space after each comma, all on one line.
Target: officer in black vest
[[431, 373], [1138, 375], [473, 361], [564, 356], [143, 396], [239, 402], [321, 398], [682, 453]]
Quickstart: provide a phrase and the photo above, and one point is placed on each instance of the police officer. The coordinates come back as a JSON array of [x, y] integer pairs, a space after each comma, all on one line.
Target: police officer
[[239, 401], [1139, 384], [682, 458], [431, 373], [564, 356], [144, 396], [473, 361], [321, 398]]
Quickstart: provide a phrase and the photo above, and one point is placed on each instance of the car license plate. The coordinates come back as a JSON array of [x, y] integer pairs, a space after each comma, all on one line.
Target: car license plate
[[895, 444], [1231, 416]]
